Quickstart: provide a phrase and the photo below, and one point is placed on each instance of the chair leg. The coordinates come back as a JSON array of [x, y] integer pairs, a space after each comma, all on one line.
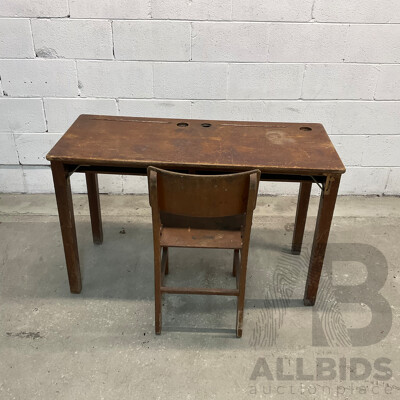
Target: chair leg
[[235, 260], [167, 264], [242, 289], [157, 290]]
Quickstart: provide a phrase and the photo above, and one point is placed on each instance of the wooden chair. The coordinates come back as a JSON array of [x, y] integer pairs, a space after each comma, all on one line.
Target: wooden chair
[[208, 211]]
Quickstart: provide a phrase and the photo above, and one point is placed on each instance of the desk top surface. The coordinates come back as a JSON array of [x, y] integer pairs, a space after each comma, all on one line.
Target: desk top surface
[[289, 148]]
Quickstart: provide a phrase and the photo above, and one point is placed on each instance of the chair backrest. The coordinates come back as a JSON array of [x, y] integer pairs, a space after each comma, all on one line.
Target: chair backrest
[[203, 196]]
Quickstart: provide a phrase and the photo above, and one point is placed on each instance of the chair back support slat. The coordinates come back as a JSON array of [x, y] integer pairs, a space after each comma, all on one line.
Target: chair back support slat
[[204, 196]]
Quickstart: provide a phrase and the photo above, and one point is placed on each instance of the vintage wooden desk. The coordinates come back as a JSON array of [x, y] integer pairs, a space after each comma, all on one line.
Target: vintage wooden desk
[[123, 145]]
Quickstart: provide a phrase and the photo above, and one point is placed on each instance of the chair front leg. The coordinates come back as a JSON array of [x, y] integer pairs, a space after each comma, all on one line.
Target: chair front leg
[[157, 290], [242, 289]]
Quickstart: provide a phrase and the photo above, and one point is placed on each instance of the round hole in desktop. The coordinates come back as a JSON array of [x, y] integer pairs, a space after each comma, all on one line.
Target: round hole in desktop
[[182, 124], [305, 128], [206, 125]]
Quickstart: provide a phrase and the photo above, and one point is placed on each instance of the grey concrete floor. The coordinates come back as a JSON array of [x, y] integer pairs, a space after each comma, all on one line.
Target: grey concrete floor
[[101, 344]]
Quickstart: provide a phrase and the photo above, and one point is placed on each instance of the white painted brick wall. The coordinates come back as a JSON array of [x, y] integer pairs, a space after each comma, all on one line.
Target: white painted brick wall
[[373, 44], [152, 40], [115, 79], [388, 87], [265, 81], [72, 38], [154, 108], [37, 78], [320, 43], [378, 145], [21, 115], [37, 179], [29, 8], [333, 62], [224, 41], [350, 148], [191, 10], [364, 180], [272, 10], [8, 152], [16, 39], [32, 147], [356, 81], [190, 80], [374, 11], [61, 113], [393, 182], [110, 9], [228, 110], [11, 179], [302, 111], [367, 118]]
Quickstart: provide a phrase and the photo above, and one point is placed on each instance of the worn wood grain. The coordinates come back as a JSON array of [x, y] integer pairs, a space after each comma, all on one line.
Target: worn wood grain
[[199, 144]]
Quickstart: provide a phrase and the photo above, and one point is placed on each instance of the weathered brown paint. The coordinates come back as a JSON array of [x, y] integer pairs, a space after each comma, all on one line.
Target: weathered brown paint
[[65, 207], [94, 206], [269, 147], [301, 216], [211, 198], [324, 218], [281, 151]]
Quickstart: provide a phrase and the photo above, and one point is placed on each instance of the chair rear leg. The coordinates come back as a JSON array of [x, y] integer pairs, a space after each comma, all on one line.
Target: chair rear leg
[[157, 290], [167, 264], [235, 261], [242, 289]]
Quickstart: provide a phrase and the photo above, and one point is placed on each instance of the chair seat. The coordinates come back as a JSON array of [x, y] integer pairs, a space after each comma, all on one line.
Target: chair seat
[[209, 238]]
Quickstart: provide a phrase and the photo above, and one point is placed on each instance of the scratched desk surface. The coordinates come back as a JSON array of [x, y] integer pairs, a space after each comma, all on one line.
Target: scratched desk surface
[[196, 144]]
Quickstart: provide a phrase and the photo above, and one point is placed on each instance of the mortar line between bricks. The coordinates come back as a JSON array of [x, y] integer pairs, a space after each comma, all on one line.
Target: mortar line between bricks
[[227, 82], [78, 96], [302, 81], [191, 41], [112, 38], [202, 99], [32, 39], [268, 39], [16, 150], [312, 11], [118, 106], [110, 60], [45, 116], [191, 109], [153, 89], [387, 180], [345, 23], [378, 75], [88, 97], [77, 80]]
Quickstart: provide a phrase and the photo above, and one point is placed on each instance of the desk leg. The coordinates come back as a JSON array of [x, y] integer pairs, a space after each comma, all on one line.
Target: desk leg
[[301, 216], [94, 206], [67, 222], [324, 219]]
